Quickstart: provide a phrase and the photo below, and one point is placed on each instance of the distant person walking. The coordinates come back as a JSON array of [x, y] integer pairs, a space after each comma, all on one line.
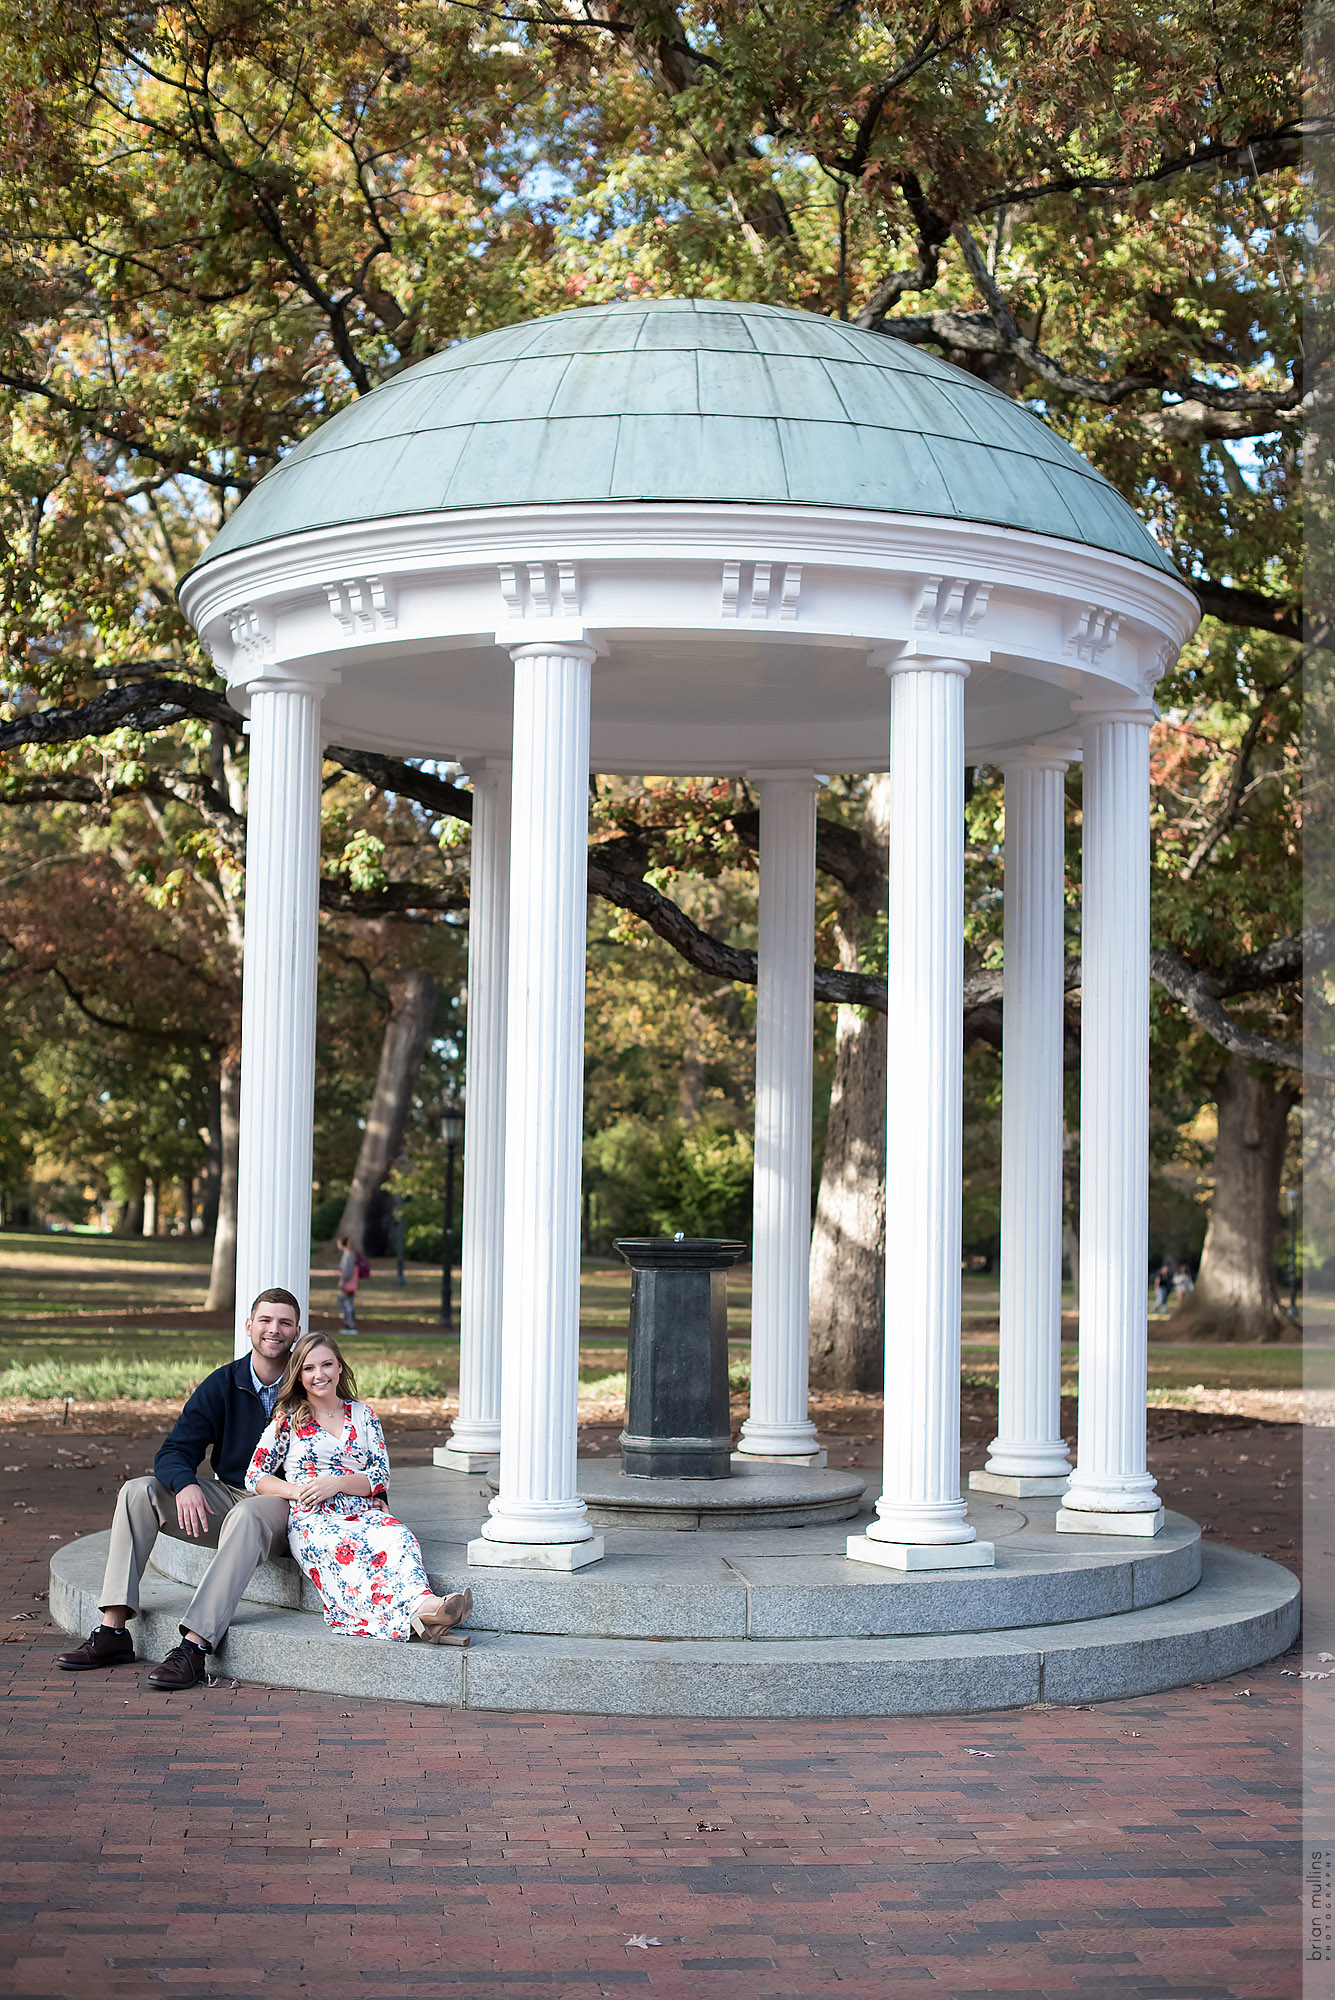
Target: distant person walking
[[1183, 1282], [349, 1277], [1163, 1285]]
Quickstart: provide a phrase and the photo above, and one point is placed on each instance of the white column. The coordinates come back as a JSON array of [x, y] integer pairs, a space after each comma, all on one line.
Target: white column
[[1111, 1492], [778, 1426], [273, 1230], [920, 1515], [537, 1518], [475, 1435], [1028, 1454]]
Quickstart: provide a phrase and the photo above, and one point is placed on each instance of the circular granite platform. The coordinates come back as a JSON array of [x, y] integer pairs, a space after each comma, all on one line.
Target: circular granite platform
[[759, 1495], [762, 1621]]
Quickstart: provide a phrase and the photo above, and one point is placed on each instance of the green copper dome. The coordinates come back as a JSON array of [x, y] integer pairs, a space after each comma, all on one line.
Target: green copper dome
[[690, 400]]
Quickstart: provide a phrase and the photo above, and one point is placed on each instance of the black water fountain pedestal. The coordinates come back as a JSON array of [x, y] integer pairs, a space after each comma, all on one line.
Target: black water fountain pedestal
[[677, 1417]]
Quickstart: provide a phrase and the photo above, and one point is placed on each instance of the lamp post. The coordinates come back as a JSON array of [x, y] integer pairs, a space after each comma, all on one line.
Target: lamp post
[[451, 1131], [1291, 1201], [400, 1163]]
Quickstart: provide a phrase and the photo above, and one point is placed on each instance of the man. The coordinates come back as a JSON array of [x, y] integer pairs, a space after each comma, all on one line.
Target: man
[[225, 1416]]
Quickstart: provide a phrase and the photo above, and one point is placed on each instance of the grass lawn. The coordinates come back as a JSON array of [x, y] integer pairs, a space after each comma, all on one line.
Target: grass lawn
[[95, 1315]]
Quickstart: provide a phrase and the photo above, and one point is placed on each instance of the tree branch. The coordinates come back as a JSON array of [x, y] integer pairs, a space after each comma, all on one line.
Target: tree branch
[[1267, 151], [147, 705], [1253, 609], [174, 462], [1196, 994], [994, 335]]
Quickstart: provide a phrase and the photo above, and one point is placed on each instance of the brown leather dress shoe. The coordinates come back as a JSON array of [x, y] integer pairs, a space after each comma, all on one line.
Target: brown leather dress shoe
[[182, 1668], [102, 1648]]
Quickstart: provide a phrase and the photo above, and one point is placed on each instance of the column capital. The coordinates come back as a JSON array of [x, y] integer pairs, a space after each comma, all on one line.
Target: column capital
[[1038, 757], [797, 776], [919, 663], [1092, 708], [533, 638], [284, 678]]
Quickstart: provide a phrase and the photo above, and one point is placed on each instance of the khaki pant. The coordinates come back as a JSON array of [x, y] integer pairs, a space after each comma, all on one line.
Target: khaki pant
[[245, 1528]]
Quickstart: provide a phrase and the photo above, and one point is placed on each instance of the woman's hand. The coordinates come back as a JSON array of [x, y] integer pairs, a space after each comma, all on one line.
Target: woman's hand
[[314, 1492]]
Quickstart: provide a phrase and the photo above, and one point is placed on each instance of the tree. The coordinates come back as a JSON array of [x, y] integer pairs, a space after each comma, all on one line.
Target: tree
[[412, 1010], [220, 223]]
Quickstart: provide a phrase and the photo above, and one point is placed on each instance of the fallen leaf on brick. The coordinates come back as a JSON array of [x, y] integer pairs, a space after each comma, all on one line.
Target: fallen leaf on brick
[[643, 1942], [978, 1753], [708, 1826], [1326, 1656]]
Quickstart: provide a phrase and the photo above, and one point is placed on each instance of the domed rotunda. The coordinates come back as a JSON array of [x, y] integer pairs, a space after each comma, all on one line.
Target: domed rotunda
[[697, 537]]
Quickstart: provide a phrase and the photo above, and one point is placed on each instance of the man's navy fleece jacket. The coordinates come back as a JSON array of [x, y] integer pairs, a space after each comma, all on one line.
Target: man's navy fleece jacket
[[224, 1414]]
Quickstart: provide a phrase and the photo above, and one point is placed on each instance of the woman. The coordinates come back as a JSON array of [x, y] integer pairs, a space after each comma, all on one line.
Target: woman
[[325, 1452], [349, 1277]]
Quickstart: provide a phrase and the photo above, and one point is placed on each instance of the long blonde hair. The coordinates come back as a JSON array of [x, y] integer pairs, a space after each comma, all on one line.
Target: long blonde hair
[[290, 1402]]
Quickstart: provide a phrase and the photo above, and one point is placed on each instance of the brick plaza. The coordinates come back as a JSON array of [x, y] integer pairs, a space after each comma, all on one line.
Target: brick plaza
[[240, 1840]]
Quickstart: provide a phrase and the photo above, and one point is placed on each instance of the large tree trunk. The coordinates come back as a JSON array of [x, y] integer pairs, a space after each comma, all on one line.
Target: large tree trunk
[[1236, 1296], [131, 1219], [222, 1277], [411, 1011], [848, 1239]]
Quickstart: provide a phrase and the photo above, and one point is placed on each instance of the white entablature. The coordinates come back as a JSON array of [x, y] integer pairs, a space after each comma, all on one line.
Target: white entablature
[[728, 637]]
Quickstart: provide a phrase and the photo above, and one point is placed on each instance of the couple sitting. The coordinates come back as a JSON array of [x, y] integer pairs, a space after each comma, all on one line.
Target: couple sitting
[[298, 1463]]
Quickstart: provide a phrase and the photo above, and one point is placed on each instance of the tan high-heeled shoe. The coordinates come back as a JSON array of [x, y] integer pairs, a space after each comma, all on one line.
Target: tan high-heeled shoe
[[437, 1626]]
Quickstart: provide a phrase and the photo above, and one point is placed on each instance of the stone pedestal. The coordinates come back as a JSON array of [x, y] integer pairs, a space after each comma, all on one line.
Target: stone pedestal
[[1017, 1486], [677, 1418]]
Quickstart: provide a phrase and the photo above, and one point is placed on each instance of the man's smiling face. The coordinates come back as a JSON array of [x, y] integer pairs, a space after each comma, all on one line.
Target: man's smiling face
[[272, 1328]]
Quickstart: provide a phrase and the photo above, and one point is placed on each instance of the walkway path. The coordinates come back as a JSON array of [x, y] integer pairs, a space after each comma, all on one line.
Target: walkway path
[[240, 1841]]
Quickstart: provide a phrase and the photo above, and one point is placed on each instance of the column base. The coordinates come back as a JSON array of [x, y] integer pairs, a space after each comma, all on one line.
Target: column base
[[817, 1458], [456, 1459], [1071, 1521], [921, 1555], [483, 1554], [1019, 1486]]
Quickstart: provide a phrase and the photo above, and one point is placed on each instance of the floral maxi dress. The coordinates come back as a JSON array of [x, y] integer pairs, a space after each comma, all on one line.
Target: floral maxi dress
[[366, 1565]]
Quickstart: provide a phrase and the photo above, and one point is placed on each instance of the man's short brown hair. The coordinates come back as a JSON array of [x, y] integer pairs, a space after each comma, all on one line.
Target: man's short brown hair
[[276, 1296]]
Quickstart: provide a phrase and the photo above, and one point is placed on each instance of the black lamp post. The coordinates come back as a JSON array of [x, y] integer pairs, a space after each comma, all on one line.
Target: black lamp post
[[401, 1162], [1291, 1198], [451, 1131]]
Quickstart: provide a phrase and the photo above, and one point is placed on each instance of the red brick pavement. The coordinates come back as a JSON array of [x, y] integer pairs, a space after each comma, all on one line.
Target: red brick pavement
[[239, 1841]]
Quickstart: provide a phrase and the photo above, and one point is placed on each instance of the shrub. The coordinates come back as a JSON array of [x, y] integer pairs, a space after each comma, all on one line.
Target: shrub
[[326, 1216], [646, 1180]]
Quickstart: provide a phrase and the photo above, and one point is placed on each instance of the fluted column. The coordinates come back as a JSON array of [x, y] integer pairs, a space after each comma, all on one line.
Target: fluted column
[[273, 1224], [1111, 1492], [537, 1518], [778, 1426], [920, 1515], [1028, 1454], [475, 1435]]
